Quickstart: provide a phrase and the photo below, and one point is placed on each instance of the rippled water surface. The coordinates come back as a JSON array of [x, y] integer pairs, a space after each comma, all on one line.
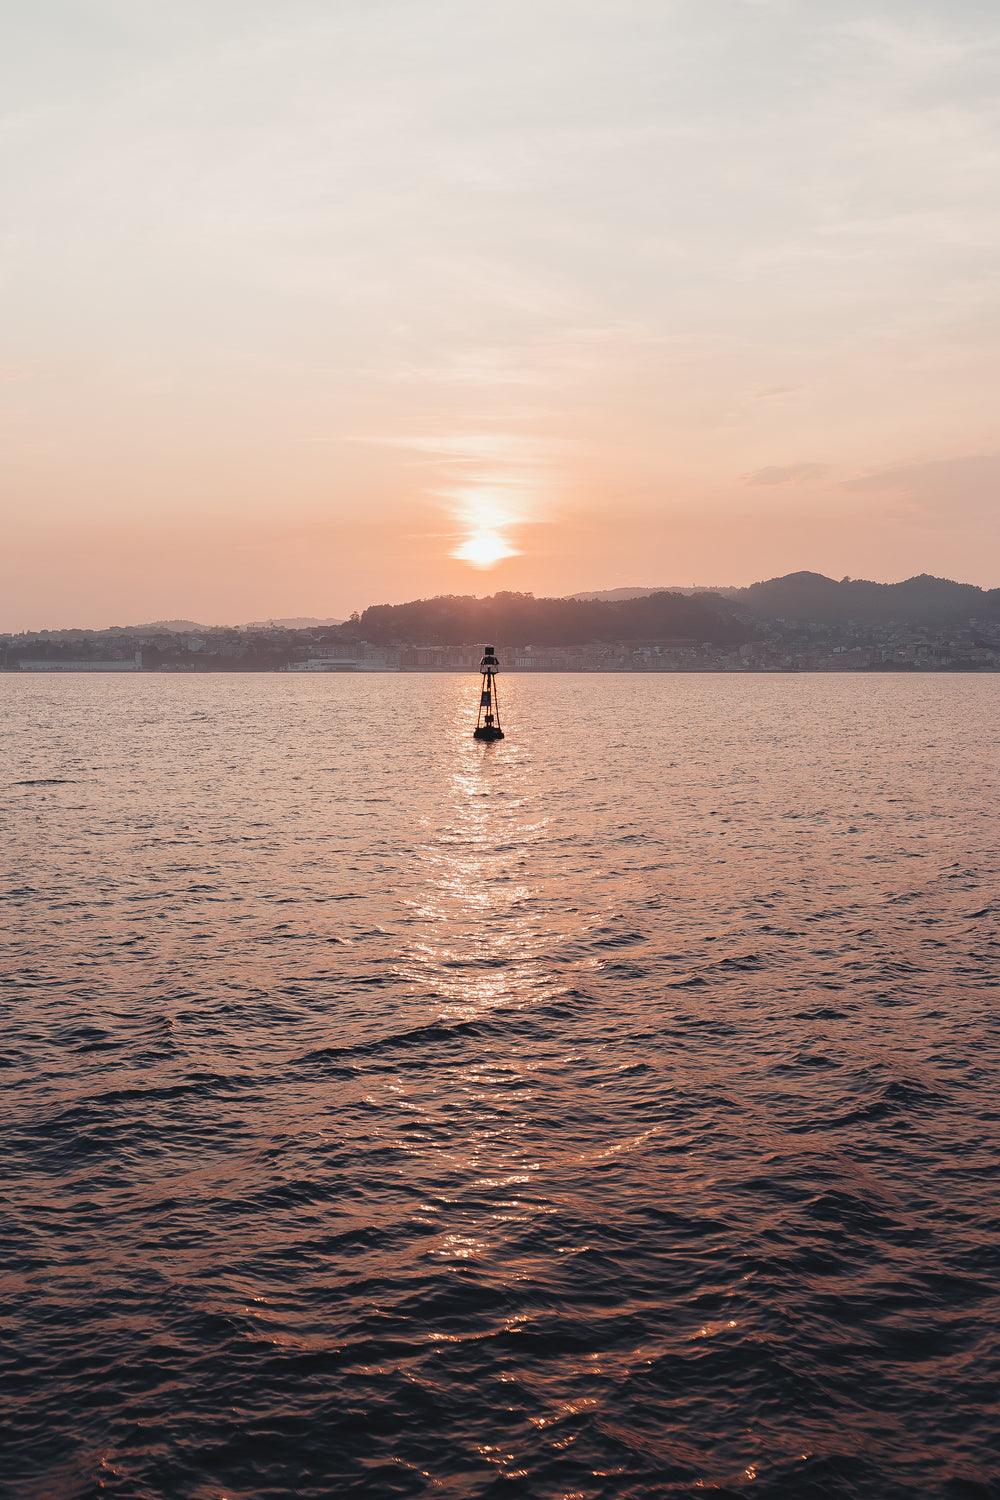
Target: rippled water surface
[[611, 1111]]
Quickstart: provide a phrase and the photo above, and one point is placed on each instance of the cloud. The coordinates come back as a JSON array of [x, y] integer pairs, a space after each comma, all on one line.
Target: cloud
[[791, 474], [969, 485], [772, 392]]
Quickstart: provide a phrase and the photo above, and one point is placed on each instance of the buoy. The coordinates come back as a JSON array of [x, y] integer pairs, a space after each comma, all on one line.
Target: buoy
[[488, 722]]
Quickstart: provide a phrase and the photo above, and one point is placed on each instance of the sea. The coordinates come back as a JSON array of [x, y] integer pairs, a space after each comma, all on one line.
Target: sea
[[609, 1111]]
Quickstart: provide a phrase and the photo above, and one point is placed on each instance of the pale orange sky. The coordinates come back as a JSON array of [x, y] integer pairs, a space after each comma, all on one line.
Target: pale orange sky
[[298, 299]]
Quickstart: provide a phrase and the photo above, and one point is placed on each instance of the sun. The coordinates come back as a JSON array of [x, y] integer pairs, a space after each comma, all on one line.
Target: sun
[[483, 549]]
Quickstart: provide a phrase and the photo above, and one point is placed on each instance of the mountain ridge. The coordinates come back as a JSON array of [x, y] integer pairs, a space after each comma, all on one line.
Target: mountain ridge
[[803, 597], [813, 597]]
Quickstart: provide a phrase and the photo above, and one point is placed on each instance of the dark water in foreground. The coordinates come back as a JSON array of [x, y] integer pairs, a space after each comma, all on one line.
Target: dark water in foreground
[[611, 1112]]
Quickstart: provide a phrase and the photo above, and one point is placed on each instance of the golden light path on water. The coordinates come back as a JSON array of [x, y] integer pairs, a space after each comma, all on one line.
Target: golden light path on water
[[482, 939]]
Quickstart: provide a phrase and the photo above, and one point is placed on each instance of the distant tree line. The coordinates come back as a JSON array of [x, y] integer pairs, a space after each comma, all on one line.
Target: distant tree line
[[458, 619]]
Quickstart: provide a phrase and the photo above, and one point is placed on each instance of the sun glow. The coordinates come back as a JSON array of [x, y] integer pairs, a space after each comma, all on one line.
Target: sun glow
[[484, 548]]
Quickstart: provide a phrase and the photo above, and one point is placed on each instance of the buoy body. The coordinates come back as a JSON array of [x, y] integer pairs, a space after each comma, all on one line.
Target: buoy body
[[488, 720]]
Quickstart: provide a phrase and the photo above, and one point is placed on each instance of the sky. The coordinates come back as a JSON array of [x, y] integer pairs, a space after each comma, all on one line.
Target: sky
[[313, 305]]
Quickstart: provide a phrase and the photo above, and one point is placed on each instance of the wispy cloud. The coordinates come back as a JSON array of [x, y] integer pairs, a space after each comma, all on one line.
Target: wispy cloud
[[945, 486], [774, 392], [789, 474]]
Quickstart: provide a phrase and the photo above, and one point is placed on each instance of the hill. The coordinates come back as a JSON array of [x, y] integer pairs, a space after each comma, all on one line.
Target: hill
[[297, 622], [643, 593], [172, 627], [459, 619], [812, 597]]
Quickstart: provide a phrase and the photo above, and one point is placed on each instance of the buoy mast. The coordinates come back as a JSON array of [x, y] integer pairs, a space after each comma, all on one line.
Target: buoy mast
[[488, 722]]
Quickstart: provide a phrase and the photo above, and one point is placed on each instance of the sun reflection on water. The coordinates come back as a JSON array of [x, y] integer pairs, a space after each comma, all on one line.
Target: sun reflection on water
[[480, 939]]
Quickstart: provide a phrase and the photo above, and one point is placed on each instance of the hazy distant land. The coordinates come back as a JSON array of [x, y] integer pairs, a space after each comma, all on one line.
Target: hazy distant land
[[185, 627], [661, 588], [800, 622]]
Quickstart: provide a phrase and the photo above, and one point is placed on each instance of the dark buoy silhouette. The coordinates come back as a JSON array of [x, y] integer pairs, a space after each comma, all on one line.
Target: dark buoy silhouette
[[488, 722]]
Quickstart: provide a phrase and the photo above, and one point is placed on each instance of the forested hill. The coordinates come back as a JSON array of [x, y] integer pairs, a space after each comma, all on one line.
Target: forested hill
[[799, 598], [457, 619], [924, 600]]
